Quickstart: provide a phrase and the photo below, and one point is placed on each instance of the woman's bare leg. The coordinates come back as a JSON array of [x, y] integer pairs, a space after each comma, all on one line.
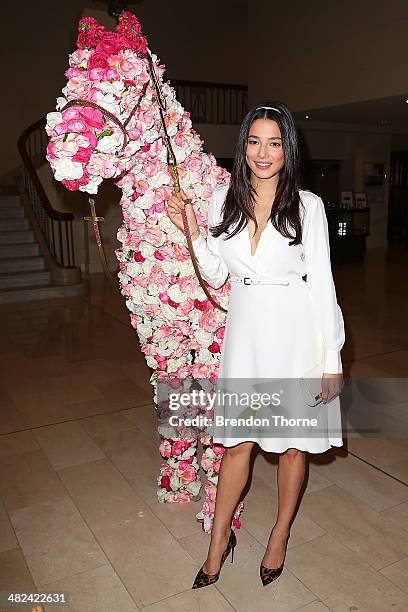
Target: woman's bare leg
[[291, 474], [233, 475]]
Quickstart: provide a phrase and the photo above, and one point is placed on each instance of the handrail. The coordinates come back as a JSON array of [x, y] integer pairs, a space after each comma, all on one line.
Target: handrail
[[22, 147], [52, 227]]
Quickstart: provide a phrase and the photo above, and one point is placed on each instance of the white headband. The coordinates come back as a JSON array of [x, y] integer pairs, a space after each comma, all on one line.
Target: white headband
[[268, 107]]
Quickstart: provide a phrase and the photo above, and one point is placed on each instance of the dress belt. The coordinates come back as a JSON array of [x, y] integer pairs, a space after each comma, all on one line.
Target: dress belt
[[266, 280]]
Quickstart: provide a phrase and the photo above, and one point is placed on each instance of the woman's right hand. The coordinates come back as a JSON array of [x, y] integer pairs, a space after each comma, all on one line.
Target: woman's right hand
[[174, 207]]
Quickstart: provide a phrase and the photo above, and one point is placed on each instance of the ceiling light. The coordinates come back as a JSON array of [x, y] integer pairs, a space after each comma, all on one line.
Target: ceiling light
[[307, 116]]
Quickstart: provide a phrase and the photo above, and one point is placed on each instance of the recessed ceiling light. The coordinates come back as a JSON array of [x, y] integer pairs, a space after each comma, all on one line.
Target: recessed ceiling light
[[406, 101], [307, 116]]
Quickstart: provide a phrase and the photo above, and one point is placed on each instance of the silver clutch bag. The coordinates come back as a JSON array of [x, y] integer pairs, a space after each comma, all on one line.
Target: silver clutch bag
[[311, 385]]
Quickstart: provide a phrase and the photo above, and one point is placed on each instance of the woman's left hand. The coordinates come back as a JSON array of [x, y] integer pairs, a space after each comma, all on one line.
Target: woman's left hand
[[332, 385]]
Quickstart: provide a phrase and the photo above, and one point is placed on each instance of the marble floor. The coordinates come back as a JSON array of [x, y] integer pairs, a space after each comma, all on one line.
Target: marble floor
[[79, 460]]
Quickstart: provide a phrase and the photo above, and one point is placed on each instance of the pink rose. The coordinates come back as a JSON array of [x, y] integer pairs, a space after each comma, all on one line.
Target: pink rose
[[211, 493], [165, 483], [218, 450], [97, 74], [76, 125], [89, 32], [154, 236], [183, 326], [98, 60], [110, 44], [214, 347], [220, 333], [165, 449], [209, 508], [208, 321], [71, 185], [178, 448], [82, 155], [157, 276], [166, 469], [102, 164], [151, 310], [188, 475], [92, 116], [182, 497]]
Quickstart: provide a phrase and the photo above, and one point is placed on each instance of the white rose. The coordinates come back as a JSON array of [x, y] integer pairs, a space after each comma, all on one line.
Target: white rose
[[145, 200], [162, 495], [194, 487], [176, 295], [174, 483], [53, 119], [145, 329], [195, 315], [61, 102], [133, 269], [174, 364], [147, 250], [131, 306], [172, 344], [165, 223], [151, 362], [154, 291], [92, 185], [168, 312], [170, 267], [158, 180], [138, 215], [147, 266], [204, 338], [205, 356], [151, 135], [109, 144], [136, 293], [111, 104], [186, 268], [150, 299], [67, 169]]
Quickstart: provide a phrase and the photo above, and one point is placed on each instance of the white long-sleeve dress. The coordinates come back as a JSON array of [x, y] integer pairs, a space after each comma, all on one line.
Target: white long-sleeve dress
[[277, 331]]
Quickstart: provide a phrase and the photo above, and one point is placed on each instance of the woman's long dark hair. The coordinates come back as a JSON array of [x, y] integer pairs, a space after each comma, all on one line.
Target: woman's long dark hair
[[239, 202]]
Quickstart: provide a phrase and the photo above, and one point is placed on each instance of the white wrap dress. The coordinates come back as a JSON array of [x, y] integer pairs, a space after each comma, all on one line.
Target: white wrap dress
[[278, 331]]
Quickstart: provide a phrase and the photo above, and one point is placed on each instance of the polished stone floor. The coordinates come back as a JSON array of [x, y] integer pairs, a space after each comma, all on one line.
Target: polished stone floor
[[79, 460]]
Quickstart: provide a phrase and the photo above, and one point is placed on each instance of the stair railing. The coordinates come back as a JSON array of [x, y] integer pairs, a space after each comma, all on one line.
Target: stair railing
[[53, 228]]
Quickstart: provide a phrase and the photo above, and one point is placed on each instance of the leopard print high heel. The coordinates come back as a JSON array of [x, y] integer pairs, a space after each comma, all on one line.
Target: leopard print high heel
[[202, 579], [269, 574]]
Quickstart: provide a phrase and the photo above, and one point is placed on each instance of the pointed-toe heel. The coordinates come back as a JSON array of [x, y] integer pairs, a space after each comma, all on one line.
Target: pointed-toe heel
[[269, 574], [202, 579]]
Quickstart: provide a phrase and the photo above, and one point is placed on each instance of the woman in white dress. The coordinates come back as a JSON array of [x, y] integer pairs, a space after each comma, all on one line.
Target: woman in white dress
[[271, 241]]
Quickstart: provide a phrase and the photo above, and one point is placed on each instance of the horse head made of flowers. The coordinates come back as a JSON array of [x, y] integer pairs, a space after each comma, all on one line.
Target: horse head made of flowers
[[108, 125]]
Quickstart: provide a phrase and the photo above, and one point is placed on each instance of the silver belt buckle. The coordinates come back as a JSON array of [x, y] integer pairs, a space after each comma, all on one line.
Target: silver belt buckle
[[245, 279]]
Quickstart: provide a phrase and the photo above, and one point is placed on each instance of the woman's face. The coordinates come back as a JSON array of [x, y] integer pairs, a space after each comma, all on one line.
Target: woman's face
[[264, 153]]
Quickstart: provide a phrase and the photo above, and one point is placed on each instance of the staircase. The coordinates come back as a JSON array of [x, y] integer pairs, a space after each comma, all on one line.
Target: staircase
[[24, 274]]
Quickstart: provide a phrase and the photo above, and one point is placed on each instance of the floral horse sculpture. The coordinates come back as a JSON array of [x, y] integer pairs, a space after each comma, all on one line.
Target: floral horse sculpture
[[109, 125]]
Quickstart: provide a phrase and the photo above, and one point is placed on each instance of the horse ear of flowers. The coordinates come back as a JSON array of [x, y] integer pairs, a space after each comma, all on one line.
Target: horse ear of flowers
[[107, 126]]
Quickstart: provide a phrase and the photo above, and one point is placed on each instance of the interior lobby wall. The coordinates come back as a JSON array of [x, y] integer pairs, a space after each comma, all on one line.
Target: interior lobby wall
[[355, 148], [324, 52]]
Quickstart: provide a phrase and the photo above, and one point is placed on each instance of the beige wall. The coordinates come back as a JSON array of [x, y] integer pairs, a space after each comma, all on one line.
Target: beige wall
[[202, 41], [318, 53]]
